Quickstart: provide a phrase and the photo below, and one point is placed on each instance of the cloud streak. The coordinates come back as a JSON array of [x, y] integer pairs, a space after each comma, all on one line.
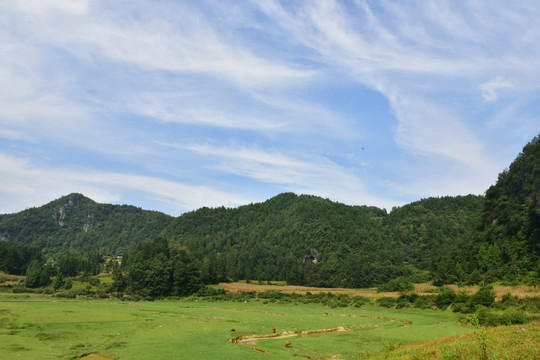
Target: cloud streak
[[19, 183], [192, 103]]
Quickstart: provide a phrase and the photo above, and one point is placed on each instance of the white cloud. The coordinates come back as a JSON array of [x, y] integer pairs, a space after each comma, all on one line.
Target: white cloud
[[24, 184], [491, 88], [307, 175], [418, 55], [169, 36], [75, 7]]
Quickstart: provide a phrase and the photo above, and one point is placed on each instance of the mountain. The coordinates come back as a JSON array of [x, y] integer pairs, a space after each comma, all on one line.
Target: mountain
[[431, 234], [508, 240], [301, 239], [307, 240], [77, 222]]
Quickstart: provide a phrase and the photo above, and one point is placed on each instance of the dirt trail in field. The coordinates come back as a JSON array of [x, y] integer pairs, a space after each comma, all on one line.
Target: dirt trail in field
[[251, 340], [95, 356]]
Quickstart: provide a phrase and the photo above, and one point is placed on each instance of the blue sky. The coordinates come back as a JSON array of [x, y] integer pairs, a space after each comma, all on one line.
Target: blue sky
[[175, 105]]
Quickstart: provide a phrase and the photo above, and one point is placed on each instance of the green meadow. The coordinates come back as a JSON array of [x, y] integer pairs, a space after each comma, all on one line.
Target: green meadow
[[42, 327]]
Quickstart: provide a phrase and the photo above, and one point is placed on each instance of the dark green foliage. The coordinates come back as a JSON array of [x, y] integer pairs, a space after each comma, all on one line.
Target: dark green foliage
[[14, 259], [485, 296], [300, 239], [58, 282], [306, 240], [445, 298], [488, 317], [36, 275], [387, 302], [399, 284], [68, 284], [509, 237], [75, 222], [157, 270], [72, 263], [430, 235]]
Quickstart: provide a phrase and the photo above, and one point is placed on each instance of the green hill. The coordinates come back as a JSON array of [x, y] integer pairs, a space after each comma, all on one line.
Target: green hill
[[308, 240], [431, 234], [75, 222], [509, 237]]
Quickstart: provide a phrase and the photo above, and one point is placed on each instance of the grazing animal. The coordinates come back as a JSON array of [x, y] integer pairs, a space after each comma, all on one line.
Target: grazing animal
[[288, 344], [273, 330], [233, 330]]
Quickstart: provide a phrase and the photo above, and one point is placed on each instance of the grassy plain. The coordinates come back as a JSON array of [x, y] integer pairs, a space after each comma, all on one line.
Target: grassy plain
[[518, 342], [36, 326]]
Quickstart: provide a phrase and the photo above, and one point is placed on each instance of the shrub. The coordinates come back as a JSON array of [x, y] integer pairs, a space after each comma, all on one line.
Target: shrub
[[66, 294], [491, 318], [445, 298], [387, 302], [530, 304], [484, 296], [399, 284], [94, 281]]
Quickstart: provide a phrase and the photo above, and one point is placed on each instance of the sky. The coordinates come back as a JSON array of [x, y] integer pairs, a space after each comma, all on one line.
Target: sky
[[173, 105]]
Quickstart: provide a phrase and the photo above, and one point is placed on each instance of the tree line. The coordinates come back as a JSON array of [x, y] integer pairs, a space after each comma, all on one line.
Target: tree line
[[307, 240]]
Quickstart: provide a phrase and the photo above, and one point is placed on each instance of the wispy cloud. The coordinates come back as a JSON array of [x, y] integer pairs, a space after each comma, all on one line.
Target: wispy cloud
[[25, 182], [268, 96], [306, 174], [491, 88], [419, 55]]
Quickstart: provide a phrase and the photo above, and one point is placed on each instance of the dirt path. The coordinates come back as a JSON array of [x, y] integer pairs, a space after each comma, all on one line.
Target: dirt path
[[251, 340]]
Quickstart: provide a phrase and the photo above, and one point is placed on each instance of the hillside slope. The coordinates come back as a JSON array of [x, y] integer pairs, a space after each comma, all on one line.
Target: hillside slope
[[509, 238], [307, 240], [77, 222]]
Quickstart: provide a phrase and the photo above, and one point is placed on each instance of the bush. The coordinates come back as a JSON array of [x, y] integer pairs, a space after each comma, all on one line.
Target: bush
[[445, 298], [210, 291], [491, 318], [484, 296], [94, 281], [66, 294], [387, 302], [531, 304], [399, 284], [21, 290]]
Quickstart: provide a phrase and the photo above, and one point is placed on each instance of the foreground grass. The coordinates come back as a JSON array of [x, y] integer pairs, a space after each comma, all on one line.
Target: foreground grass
[[519, 342], [41, 327]]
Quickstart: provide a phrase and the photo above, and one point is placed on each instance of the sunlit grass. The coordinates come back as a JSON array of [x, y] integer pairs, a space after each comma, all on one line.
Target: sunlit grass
[[40, 327]]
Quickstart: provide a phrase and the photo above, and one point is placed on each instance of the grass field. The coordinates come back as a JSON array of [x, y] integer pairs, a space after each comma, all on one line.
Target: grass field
[[41, 327], [518, 342]]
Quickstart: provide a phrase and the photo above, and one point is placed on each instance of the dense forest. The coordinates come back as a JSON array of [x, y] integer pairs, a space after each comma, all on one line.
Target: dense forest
[[75, 222], [301, 239], [306, 240]]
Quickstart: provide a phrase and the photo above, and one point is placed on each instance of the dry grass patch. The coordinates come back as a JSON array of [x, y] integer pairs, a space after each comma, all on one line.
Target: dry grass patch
[[95, 356], [521, 291], [244, 287]]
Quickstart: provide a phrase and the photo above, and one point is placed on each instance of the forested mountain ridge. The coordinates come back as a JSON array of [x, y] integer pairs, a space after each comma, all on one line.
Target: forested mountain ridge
[[300, 239], [431, 234], [75, 222], [508, 240], [308, 240]]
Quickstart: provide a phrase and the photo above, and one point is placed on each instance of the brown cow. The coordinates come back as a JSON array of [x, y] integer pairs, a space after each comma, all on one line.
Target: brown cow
[[288, 344]]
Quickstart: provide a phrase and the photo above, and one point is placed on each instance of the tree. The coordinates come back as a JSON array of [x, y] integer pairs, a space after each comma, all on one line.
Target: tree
[[58, 281], [36, 275]]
